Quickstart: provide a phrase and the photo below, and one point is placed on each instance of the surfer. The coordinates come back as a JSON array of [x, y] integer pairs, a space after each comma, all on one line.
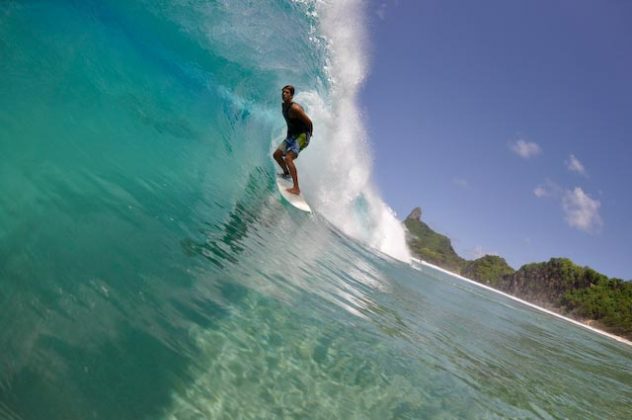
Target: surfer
[[299, 131]]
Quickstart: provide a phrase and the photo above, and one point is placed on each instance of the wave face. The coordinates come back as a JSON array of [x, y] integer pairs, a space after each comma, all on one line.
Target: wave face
[[148, 268]]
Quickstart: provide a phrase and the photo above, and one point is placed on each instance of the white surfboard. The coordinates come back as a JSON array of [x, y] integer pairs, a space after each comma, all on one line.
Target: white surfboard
[[295, 200]]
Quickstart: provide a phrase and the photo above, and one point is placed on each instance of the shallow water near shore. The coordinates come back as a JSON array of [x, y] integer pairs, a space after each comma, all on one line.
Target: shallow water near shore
[[149, 268]]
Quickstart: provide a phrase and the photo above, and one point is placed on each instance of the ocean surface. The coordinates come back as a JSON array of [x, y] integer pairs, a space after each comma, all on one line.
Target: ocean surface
[[150, 270]]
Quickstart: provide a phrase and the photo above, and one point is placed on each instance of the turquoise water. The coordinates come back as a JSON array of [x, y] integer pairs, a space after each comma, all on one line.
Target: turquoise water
[[149, 269]]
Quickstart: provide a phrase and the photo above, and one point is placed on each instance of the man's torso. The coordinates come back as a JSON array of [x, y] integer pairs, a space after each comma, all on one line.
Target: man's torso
[[295, 126]]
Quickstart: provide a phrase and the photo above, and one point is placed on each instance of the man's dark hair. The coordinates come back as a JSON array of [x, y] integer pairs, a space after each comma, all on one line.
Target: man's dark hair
[[290, 88]]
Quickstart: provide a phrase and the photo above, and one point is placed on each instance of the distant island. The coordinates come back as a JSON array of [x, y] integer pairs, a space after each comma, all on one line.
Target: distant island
[[559, 284]]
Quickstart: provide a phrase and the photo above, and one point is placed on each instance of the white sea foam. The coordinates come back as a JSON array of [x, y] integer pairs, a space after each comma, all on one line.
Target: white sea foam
[[336, 173]]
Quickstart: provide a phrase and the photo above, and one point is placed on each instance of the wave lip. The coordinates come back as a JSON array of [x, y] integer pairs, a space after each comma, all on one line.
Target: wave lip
[[338, 168]]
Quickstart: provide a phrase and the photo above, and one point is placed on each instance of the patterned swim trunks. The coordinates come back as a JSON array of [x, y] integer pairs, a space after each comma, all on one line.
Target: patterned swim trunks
[[294, 144]]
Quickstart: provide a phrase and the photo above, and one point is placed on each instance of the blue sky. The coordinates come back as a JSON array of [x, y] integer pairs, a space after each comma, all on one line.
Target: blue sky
[[509, 123]]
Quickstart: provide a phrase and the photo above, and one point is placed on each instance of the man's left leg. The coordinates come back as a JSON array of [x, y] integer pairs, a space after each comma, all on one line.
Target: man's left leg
[[278, 156], [289, 161]]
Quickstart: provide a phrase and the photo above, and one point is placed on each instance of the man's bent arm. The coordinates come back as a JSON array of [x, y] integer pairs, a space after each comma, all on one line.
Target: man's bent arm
[[298, 112]]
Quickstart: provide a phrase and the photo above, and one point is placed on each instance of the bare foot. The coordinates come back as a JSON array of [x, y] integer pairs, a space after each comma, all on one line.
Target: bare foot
[[295, 191]]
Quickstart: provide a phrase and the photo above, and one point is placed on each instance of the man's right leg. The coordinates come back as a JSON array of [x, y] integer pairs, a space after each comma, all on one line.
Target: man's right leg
[[289, 158], [278, 156]]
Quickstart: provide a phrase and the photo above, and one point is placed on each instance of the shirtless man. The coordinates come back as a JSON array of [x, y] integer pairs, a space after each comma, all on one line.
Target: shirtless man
[[299, 131]]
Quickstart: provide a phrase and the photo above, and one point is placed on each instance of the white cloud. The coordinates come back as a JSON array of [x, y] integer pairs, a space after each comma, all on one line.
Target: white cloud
[[381, 11], [581, 211], [540, 191], [478, 252], [574, 165], [525, 149], [461, 182], [548, 189]]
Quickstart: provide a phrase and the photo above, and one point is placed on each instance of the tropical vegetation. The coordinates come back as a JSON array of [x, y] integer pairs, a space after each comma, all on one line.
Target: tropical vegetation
[[558, 284]]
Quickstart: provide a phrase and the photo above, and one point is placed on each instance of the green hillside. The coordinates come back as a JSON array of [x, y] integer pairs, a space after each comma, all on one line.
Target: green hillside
[[558, 284], [579, 292], [429, 245], [488, 270]]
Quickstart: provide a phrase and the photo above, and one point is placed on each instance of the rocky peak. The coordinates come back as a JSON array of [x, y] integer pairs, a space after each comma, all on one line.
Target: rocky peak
[[415, 214]]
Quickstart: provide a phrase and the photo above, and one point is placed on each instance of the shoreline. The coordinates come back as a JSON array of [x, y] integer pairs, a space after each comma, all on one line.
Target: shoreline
[[585, 324]]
